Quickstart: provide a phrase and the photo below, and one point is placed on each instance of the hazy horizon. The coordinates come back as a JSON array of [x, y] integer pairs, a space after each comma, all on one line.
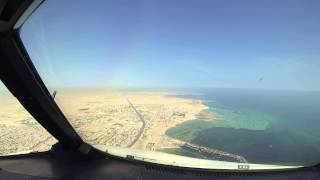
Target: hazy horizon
[[160, 88], [233, 44]]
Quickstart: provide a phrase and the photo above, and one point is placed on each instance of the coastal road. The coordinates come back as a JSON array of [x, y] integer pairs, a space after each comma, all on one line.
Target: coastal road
[[185, 145], [142, 127]]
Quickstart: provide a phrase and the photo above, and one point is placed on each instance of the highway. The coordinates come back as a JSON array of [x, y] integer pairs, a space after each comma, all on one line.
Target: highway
[[189, 146], [142, 127]]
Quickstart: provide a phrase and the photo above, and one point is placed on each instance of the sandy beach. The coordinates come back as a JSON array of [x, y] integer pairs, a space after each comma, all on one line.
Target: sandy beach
[[162, 112]]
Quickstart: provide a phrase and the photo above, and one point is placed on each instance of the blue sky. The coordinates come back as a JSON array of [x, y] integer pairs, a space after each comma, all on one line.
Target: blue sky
[[271, 44]]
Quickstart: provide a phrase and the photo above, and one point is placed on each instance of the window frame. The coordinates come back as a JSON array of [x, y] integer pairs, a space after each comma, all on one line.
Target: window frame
[[19, 75]]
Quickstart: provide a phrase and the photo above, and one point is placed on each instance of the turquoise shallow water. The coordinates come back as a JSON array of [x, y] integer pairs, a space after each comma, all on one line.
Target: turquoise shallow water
[[241, 118], [275, 127]]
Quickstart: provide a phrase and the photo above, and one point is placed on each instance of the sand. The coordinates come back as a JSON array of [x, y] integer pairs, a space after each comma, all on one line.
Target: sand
[[161, 113], [19, 131], [102, 117]]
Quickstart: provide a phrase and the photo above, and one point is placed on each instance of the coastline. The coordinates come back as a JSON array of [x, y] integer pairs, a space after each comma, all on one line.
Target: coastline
[[105, 118], [174, 111]]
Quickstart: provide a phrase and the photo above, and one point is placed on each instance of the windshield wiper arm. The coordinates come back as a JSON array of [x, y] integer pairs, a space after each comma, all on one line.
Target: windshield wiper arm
[[54, 94]]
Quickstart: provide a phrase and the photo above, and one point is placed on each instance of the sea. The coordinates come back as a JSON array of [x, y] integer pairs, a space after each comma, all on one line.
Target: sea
[[279, 127]]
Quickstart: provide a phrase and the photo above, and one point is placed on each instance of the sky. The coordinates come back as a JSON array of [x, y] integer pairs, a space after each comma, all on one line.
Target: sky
[[271, 44]]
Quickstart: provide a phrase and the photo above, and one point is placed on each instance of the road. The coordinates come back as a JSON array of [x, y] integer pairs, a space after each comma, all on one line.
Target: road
[[200, 149], [142, 127]]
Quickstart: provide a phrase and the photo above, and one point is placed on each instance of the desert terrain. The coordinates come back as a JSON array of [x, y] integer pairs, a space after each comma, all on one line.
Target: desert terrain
[[102, 118], [19, 132]]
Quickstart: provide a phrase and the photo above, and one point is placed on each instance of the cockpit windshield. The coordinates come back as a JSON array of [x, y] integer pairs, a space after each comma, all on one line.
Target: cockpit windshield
[[209, 81]]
